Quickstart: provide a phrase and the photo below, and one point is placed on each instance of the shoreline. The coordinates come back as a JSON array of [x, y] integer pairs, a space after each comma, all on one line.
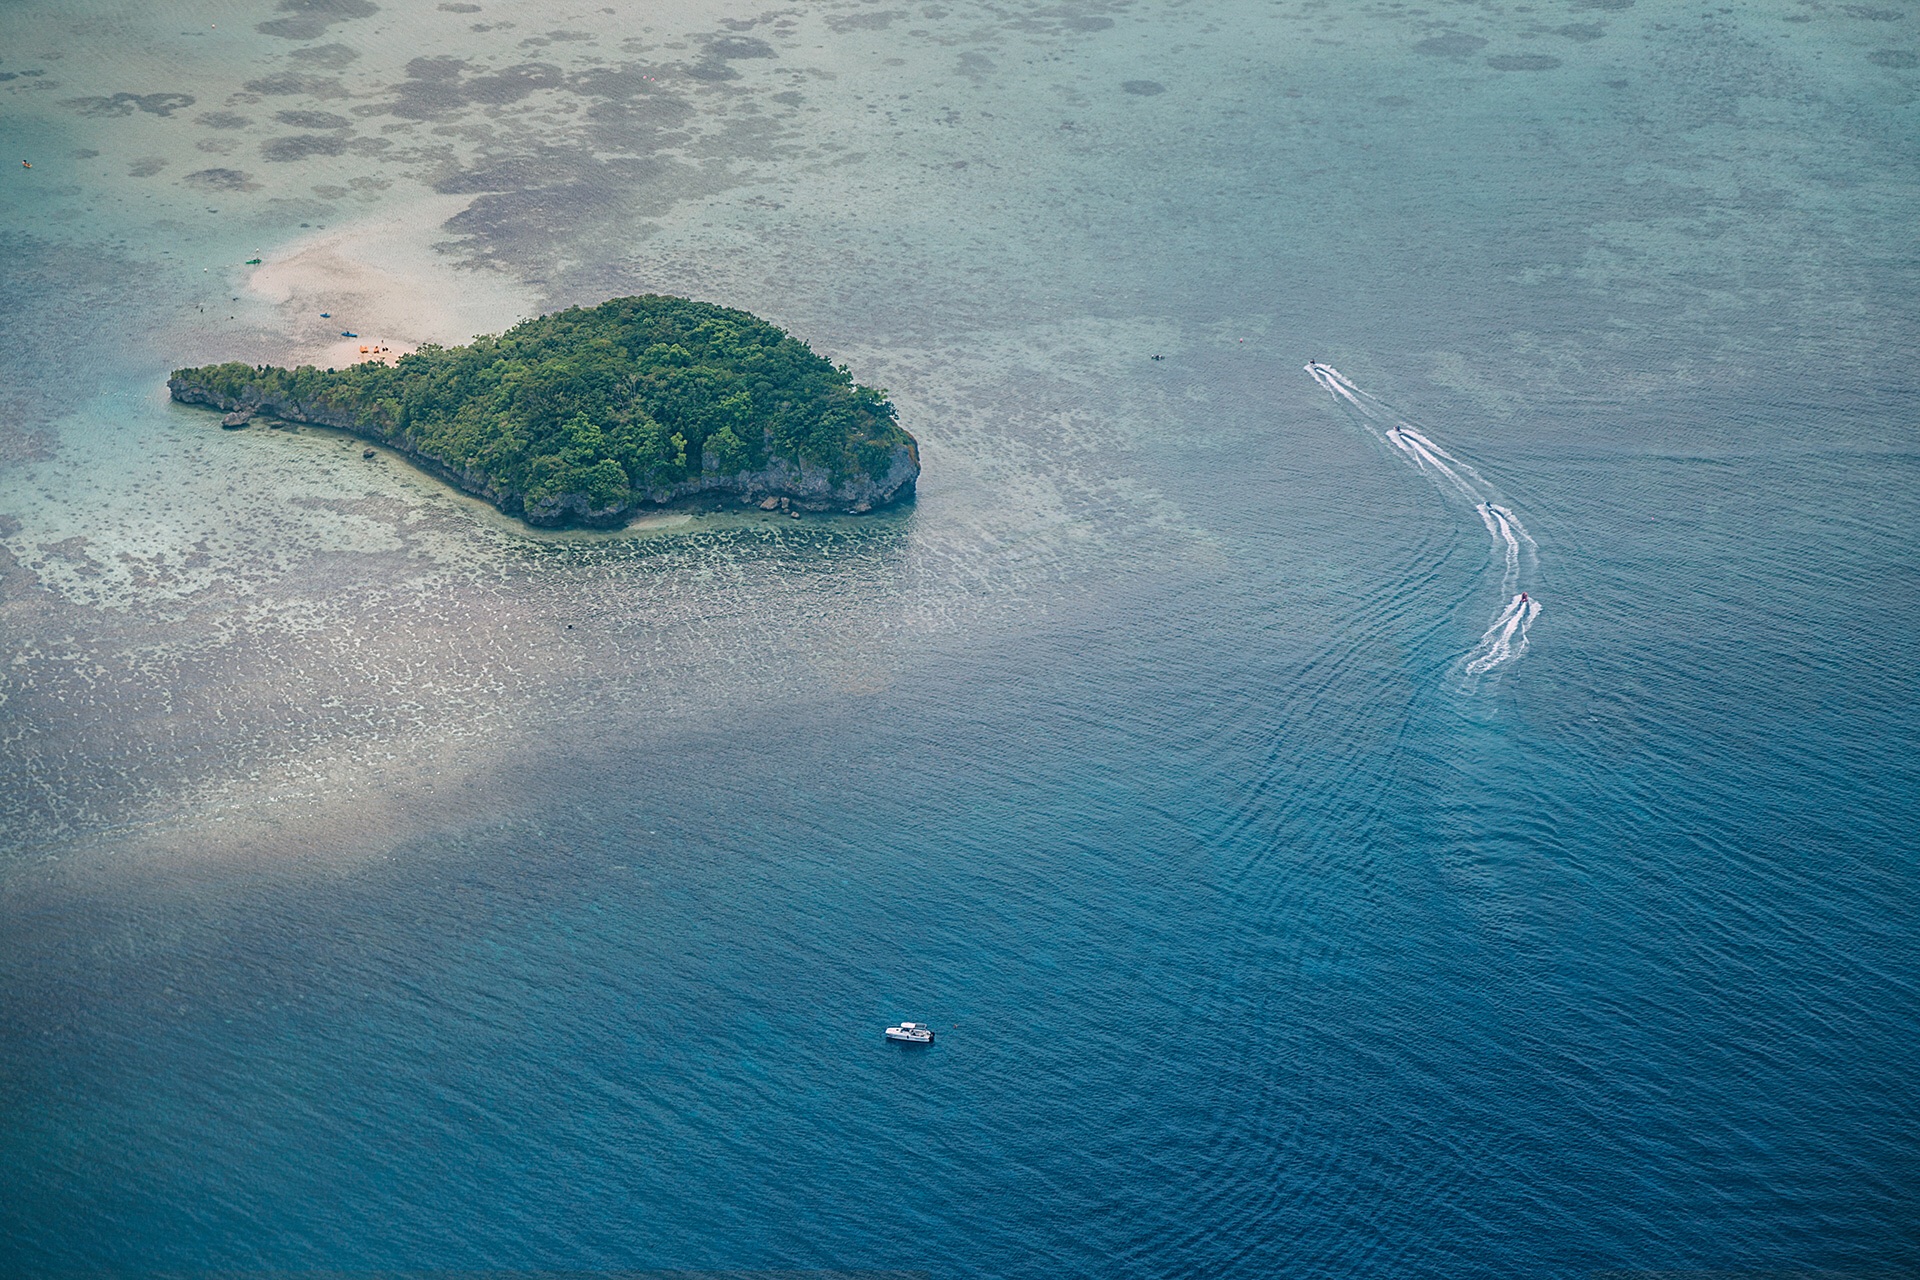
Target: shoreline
[[716, 498], [689, 513], [381, 279]]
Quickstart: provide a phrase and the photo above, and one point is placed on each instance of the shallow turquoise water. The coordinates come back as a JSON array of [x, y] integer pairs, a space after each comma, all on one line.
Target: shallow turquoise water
[[387, 890]]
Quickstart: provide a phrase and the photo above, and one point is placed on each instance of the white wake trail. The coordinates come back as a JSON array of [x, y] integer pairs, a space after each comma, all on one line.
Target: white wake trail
[[1512, 522], [1507, 638], [1424, 454], [1495, 518]]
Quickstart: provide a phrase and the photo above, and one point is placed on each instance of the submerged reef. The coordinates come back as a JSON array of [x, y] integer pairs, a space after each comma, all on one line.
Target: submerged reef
[[586, 416]]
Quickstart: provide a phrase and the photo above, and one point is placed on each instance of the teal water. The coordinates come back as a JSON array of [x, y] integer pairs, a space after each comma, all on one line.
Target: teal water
[[385, 888]]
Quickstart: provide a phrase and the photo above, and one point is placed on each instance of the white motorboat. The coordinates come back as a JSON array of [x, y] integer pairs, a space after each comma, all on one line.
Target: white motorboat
[[911, 1033]]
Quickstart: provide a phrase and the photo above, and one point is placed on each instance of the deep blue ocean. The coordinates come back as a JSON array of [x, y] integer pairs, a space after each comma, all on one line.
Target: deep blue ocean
[[387, 889]]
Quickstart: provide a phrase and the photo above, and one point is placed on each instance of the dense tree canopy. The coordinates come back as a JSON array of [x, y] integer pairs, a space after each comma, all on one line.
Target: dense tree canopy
[[612, 402]]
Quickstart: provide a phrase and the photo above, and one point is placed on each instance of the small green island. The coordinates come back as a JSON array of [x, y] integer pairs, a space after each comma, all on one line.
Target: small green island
[[587, 416]]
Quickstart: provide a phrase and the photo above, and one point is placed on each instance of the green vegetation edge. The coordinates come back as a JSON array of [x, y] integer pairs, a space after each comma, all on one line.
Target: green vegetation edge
[[586, 416]]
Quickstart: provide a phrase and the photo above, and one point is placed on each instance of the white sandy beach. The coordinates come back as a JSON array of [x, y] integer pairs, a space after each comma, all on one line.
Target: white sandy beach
[[381, 279]]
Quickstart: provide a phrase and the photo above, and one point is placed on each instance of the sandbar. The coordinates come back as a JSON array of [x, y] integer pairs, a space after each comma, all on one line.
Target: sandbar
[[382, 280]]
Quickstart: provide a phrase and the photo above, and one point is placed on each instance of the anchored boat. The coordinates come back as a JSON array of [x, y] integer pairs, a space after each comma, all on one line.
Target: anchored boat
[[911, 1033]]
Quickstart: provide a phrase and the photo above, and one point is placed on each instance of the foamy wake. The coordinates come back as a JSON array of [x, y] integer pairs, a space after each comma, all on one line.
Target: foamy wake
[[1506, 639]]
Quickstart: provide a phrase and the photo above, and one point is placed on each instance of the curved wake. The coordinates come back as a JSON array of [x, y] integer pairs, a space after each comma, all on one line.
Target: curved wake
[[1506, 638]]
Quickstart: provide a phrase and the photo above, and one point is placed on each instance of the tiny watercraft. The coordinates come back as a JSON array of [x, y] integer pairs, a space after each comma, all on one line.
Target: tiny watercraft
[[911, 1033], [345, 334]]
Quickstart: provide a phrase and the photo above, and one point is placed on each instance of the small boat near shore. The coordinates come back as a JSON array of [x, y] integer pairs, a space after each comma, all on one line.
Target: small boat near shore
[[910, 1033]]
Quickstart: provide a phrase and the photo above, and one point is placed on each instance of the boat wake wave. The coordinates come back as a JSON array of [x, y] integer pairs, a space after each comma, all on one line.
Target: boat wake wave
[[1506, 639]]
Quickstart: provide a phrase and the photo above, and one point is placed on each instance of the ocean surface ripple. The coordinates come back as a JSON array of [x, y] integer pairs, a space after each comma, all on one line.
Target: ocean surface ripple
[[388, 889]]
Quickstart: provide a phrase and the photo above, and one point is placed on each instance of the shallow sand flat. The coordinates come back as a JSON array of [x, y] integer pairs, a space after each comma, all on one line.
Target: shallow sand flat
[[381, 278], [442, 890], [971, 209]]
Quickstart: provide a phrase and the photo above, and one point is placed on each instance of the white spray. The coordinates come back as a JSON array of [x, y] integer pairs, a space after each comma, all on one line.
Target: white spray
[[1506, 639]]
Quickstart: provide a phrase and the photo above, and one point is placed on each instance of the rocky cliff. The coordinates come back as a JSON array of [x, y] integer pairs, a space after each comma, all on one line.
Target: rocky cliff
[[806, 486], [589, 415]]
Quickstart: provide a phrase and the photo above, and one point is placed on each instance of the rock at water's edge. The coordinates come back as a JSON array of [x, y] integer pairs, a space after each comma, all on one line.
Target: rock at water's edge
[[803, 485]]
